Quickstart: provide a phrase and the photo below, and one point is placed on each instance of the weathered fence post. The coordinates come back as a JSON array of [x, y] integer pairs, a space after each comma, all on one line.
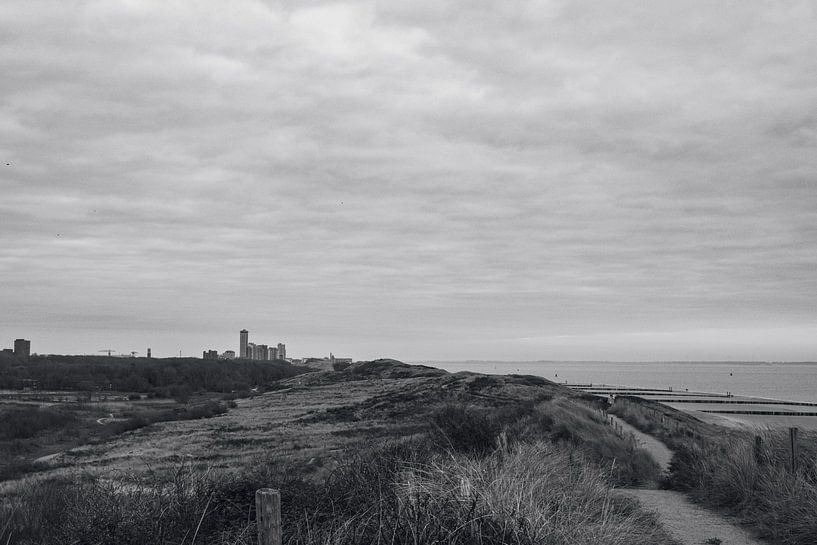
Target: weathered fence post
[[758, 449], [268, 516], [793, 442]]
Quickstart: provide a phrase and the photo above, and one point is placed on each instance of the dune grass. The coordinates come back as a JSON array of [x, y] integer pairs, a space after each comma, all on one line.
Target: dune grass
[[403, 493], [757, 485], [526, 474], [524, 494], [730, 472]]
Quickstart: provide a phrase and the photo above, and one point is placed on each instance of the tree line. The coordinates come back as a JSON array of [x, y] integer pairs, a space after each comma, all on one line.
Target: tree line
[[163, 377]]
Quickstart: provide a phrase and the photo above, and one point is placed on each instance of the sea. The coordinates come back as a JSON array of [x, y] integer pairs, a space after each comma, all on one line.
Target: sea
[[796, 381]]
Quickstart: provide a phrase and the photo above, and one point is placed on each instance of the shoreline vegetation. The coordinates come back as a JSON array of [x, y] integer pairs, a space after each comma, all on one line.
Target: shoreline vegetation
[[378, 452], [747, 474]]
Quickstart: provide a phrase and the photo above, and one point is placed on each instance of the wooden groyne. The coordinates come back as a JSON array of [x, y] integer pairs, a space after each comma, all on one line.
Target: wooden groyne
[[759, 413], [606, 388], [712, 403], [739, 401]]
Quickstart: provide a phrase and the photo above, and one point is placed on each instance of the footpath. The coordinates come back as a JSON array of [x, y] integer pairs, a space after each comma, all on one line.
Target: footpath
[[687, 522]]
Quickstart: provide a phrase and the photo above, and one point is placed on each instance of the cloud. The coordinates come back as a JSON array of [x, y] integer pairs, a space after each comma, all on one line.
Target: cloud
[[421, 176]]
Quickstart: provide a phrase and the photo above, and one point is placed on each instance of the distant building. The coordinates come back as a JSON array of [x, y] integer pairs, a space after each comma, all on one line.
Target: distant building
[[244, 337], [209, 355], [228, 355], [22, 348], [338, 364], [8, 351], [149, 356], [259, 351]]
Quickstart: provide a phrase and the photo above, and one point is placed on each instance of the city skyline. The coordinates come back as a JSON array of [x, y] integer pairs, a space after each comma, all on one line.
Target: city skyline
[[427, 181]]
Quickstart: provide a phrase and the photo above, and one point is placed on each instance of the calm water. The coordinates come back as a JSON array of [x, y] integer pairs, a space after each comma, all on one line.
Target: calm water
[[788, 381]]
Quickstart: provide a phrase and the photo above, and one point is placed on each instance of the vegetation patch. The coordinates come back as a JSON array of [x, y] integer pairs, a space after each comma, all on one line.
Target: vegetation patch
[[26, 422], [170, 377], [432, 459], [749, 477], [403, 493]]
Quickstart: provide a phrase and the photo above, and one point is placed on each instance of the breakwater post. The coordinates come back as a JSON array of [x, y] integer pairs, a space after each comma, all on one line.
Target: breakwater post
[[268, 516]]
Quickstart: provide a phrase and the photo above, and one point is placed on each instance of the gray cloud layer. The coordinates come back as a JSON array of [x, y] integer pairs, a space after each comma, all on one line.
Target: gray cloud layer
[[428, 179]]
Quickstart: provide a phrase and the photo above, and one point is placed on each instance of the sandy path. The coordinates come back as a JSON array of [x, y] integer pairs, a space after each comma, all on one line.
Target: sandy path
[[659, 451], [690, 524]]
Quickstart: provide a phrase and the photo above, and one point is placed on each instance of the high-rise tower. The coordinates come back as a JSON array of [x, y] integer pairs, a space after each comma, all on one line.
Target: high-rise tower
[[282, 351], [242, 343], [22, 347]]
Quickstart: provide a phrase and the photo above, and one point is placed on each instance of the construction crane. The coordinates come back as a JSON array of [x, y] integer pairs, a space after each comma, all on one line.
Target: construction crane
[[108, 350]]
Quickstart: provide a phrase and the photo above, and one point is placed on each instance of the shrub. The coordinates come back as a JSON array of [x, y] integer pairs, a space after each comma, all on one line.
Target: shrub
[[207, 409], [464, 428], [26, 422]]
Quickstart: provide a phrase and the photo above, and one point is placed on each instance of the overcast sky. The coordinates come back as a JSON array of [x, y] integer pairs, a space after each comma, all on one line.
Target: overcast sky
[[427, 179]]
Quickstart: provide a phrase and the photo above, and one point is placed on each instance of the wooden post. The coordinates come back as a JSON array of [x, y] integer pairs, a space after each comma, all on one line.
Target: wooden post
[[758, 449], [793, 442], [268, 516]]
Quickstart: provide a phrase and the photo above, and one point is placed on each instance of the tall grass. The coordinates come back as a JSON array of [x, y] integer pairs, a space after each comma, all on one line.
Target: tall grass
[[576, 424], [533, 493], [757, 486], [524, 494], [538, 476], [729, 472], [91, 510]]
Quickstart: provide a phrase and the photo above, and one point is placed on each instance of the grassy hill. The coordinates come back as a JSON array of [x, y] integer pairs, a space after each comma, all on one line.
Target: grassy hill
[[378, 452]]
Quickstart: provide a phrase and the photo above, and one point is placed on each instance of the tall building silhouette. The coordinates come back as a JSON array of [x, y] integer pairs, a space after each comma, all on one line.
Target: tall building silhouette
[[282, 351], [244, 339], [22, 347]]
